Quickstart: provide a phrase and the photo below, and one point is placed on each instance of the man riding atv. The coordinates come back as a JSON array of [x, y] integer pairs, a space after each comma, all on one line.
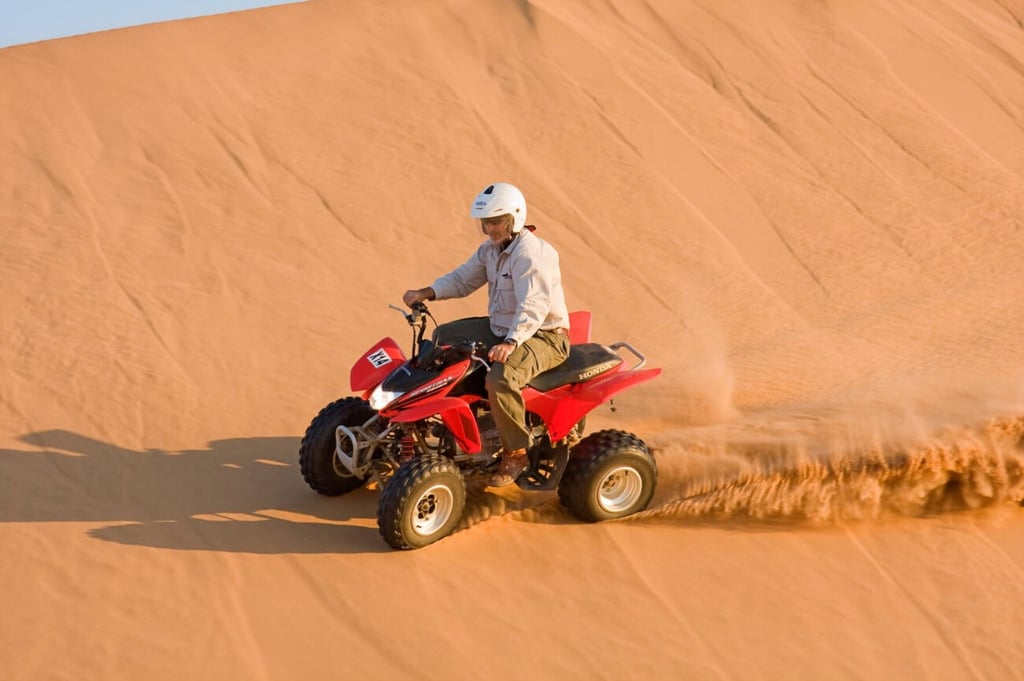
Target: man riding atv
[[493, 400], [527, 322]]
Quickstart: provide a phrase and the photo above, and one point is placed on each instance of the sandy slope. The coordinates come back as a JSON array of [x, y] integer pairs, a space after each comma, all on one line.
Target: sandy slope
[[809, 214]]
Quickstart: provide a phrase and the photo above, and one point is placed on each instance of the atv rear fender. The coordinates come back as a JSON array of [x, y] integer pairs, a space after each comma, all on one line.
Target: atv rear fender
[[563, 408]]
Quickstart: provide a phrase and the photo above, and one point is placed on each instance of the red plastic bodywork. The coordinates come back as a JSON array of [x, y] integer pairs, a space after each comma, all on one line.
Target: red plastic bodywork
[[455, 414], [560, 409], [375, 365], [579, 327]]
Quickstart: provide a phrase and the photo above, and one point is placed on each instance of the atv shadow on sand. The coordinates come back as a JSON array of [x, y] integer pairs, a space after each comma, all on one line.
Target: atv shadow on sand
[[236, 495]]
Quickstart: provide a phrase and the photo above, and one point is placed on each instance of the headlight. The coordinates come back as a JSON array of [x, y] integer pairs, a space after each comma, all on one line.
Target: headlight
[[381, 398]]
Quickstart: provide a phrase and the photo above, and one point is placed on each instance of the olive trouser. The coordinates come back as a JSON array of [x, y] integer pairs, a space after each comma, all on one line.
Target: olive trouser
[[506, 380]]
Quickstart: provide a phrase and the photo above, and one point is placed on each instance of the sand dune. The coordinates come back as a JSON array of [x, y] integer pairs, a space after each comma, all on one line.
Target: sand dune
[[809, 215]]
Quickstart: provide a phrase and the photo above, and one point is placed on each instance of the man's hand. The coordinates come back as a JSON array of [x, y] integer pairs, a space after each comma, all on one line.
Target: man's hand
[[500, 352], [418, 295]]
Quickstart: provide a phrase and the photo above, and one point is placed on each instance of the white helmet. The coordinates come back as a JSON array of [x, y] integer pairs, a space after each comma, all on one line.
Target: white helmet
[[500, 198]]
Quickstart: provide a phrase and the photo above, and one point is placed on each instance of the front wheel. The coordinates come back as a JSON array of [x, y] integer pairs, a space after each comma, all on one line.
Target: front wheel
[[611, 474], [422, 503], [320, 467]]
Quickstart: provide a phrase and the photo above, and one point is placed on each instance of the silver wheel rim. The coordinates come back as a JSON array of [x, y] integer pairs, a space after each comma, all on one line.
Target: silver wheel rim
[[432, 510], [620, 489]]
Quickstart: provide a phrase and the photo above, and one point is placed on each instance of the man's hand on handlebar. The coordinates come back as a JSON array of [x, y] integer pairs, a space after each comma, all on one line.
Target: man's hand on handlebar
[[418, 295], [501, 351]]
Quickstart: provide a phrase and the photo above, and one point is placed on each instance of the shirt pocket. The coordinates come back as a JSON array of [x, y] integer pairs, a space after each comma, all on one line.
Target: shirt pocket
[[505, 295]]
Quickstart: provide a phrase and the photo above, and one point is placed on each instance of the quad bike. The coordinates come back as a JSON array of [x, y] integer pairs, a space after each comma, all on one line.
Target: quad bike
[[423, 431]]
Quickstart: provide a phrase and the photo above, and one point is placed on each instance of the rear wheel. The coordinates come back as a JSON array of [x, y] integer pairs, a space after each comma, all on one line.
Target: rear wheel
[[422, 503], [321, 468], [611, 474]]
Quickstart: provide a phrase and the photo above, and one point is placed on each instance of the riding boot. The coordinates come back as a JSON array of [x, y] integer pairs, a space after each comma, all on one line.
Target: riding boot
[[512, 465]]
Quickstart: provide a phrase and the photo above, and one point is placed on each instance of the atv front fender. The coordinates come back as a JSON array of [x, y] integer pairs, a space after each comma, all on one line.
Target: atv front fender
[[455, 414], [375, 365]]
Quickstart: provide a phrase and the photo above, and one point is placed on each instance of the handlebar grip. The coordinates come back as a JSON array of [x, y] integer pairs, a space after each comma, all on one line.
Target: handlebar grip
[[466, 347]]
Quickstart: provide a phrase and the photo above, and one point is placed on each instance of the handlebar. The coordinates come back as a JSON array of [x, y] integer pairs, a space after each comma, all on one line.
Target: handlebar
[[417, 318], [476, 351], [419, 310]]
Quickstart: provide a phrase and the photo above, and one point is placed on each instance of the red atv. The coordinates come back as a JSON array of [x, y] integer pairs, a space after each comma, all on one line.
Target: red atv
[[423, 430]]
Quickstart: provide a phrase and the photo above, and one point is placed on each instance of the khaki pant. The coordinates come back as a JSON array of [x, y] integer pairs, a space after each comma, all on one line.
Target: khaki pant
[[506, 380]]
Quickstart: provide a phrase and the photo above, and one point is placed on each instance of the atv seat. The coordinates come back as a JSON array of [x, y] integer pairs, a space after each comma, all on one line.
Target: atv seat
[[585, 361]]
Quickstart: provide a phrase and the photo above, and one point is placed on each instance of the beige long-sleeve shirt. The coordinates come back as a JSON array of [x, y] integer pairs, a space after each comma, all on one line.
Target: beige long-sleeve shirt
[[524, 286]]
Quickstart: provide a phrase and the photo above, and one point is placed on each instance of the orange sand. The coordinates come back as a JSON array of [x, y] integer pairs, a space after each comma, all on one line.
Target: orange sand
[[810, 215]]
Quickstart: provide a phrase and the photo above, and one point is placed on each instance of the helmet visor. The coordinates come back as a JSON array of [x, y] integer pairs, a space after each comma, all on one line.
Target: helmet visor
[[496, 221]]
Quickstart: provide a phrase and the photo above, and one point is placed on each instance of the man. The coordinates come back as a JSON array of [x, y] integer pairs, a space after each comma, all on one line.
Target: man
[[527, 324]]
